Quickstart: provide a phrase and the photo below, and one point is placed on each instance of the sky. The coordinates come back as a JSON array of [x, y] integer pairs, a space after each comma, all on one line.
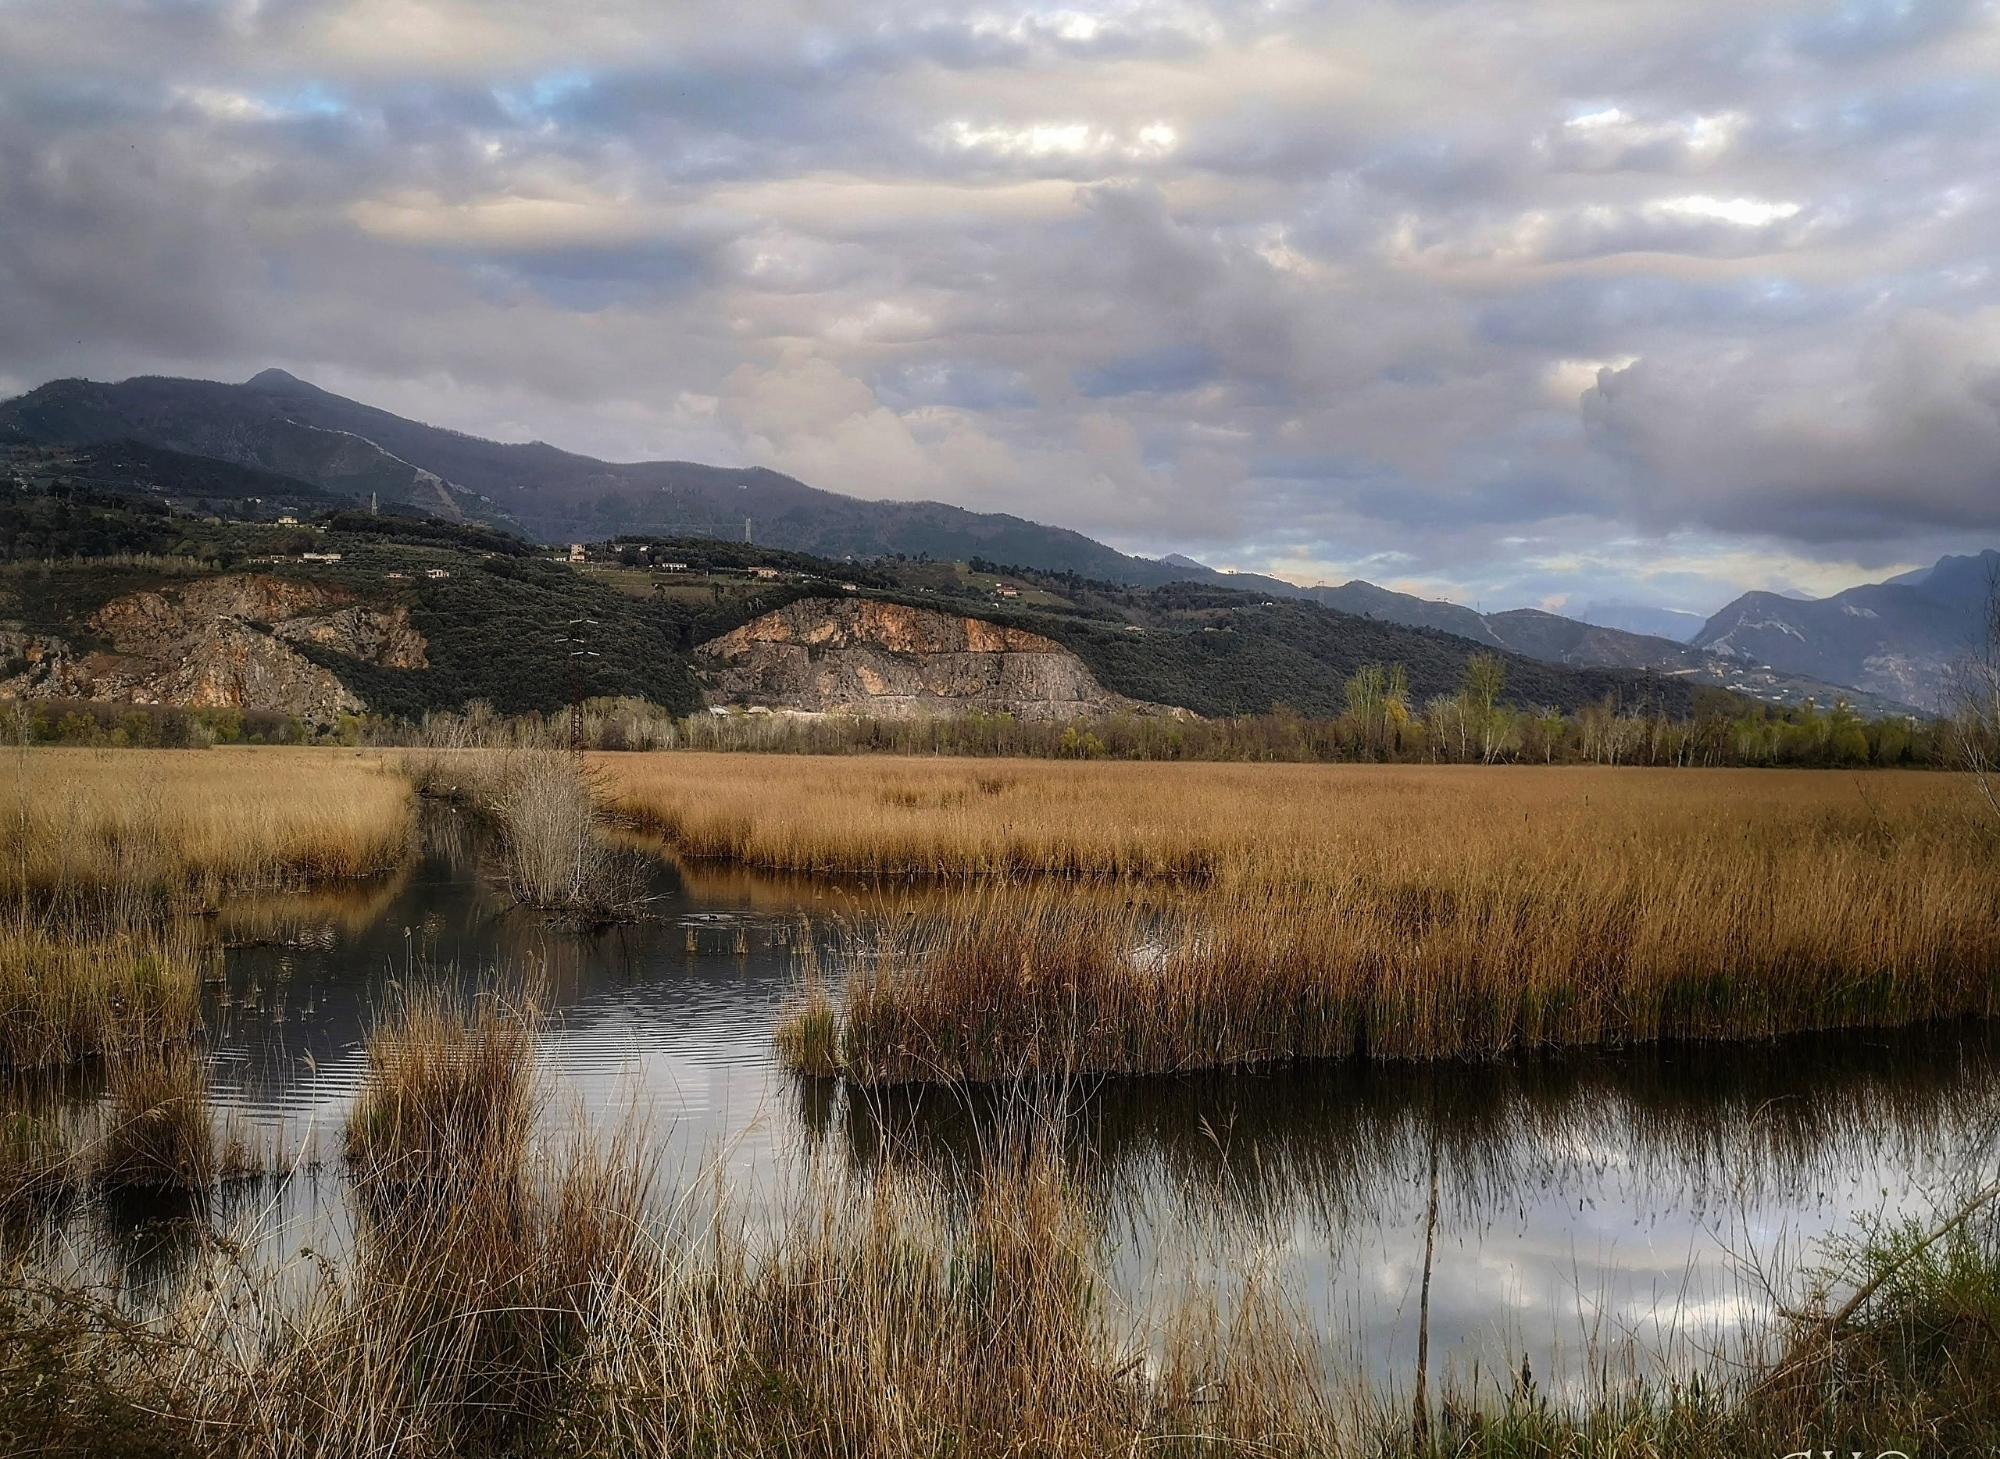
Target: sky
[[1519, 304]]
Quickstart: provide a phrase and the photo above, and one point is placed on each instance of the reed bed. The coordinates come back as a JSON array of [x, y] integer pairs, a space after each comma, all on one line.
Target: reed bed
[[1308, 826], [69, 994], [1255, 914], [131, 830], [1000, 984]]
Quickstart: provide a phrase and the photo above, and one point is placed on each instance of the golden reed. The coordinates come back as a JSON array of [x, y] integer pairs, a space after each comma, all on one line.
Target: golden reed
[[1273, 912]]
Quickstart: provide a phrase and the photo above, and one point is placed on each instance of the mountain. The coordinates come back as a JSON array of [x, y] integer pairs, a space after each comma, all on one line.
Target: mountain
[[122, 599], [282, 424], [1554, 639], [1674, 623], [295, 446], [239, 424], [1901, 638]]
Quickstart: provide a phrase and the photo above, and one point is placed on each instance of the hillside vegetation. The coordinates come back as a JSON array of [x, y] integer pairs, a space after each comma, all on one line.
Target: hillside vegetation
[[497, 613]]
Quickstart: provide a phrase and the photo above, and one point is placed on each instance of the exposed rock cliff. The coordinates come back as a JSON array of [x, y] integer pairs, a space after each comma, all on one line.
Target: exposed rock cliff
[[861, 656], [216, 643]]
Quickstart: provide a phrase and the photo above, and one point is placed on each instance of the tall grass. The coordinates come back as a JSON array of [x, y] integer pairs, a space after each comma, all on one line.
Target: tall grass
[[133, 830], [1260, 913], [70, 993]]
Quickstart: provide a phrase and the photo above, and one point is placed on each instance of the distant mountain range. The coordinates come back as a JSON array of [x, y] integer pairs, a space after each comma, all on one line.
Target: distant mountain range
[[1555, 639], [286, 439], [1899, 639], [280, 423]]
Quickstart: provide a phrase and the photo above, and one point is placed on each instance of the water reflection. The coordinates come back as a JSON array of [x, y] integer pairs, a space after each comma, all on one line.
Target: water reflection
[[1591, 1207]]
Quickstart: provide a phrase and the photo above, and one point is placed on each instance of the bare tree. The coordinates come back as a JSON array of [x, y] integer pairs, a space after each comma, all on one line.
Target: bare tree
[[1973, 704]]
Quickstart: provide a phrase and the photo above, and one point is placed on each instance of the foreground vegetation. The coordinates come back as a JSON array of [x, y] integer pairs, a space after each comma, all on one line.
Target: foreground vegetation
[[83, 831], [1260, 914], [509, 1284], [514, 1292]]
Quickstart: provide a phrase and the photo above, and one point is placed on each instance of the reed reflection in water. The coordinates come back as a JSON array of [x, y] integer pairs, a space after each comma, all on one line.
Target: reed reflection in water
[[1597, 1209], [1593, 1209]]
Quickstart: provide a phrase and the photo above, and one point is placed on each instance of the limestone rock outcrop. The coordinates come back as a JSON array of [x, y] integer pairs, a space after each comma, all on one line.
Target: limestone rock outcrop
[[860, 656], [224, 642]]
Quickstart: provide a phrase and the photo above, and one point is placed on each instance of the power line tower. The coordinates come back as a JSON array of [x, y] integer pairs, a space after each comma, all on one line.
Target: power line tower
[[577, 641]]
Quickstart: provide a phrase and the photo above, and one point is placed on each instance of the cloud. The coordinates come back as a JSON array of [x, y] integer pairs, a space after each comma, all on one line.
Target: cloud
[[1849, 438], [1478, 296]]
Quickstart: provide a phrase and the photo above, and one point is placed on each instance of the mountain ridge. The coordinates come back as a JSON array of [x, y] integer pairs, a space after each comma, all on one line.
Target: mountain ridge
[[278, 423], [1903, 638]]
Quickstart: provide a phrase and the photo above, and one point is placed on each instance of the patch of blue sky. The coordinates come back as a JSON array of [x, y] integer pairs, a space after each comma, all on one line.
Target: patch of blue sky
[[1164, 371], [957, 384], [539, 100], [583, 280], [1865, 30]]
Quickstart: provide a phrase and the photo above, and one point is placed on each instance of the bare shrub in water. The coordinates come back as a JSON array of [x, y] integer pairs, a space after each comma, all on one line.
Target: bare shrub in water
[[555, 856], [544, 804]]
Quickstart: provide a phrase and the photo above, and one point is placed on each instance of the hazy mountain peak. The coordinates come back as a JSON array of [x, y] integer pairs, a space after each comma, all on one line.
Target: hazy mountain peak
[[275, 379]]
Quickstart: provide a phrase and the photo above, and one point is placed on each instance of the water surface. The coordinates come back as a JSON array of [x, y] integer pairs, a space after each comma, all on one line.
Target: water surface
[[1600, 1211]]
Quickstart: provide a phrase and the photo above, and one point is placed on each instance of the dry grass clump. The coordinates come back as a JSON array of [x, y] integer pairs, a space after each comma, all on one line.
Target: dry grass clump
[[458, 1323], [450, 1096], [68, 995], [132, 828], [161, 1133], [881, 1321]]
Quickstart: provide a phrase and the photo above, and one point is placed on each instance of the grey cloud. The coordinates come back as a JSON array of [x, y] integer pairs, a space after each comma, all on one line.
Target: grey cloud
[[1296, 279], [1820, 440]]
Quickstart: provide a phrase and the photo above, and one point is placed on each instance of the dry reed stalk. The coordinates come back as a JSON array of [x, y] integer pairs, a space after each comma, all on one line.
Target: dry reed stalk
[[66, 995], [133, 828], [160, 1134]]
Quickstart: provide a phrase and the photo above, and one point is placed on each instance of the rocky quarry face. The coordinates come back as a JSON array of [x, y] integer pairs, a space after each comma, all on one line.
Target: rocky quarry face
[[217, 643], [853, 656]]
